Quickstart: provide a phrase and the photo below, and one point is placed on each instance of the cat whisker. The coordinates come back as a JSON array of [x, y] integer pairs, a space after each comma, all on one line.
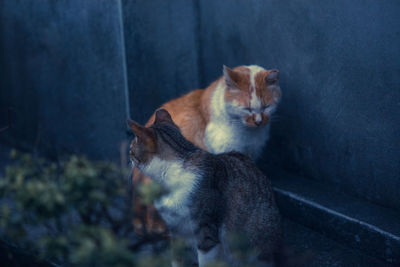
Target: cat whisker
[[275, 119], [276, 116]]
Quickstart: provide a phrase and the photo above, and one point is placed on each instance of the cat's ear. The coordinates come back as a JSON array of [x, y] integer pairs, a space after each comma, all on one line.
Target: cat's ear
[[163, 115], [140, 131], [135, 127], [231, 77], [272, 77]]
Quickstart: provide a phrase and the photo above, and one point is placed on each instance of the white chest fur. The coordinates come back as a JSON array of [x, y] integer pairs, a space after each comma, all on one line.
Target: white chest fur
[[224, 134], [225, 137], [180, 183]]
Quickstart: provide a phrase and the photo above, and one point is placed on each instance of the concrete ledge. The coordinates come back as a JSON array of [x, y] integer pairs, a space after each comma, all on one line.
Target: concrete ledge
[[359, 224]]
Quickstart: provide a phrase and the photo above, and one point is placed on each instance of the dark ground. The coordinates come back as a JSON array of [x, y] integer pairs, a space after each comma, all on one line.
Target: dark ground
[[320, 251], [300, 240], [324, 251]]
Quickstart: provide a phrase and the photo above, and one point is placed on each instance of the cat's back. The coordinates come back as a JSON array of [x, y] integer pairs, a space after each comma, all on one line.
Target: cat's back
[[250, 204], [238, 179], [190, 113], [243, 172]]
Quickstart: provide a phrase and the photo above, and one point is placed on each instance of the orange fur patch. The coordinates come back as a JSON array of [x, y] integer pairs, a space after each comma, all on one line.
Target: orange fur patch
[[241, 77], [251, 120], [263, 91], [191, 114], [266, 94]]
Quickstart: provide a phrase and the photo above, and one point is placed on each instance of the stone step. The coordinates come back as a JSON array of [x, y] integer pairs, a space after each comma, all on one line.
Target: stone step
[[352, 222], [319, 251]]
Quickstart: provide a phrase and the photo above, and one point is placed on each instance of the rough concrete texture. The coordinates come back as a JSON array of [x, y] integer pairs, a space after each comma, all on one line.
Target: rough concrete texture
[[340, 64], [308, 248], [61, 70], [162, 52], [353, 222]]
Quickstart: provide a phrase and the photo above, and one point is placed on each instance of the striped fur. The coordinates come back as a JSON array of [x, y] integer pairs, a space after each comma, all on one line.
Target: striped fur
[[209, 194], [232, 114]]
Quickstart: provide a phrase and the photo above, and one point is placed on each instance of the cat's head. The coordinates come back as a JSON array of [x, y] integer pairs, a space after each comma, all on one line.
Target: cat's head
[[162, 141], [252, 94]]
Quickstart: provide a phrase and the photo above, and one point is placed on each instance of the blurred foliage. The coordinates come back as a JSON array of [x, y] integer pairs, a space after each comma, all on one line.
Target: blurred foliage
[[72, 212], [149, 192], [77, 212], [241, 249]]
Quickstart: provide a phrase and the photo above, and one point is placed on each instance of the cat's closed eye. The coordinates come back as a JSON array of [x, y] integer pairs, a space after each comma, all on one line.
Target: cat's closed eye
[[248, 109], [265, 107]]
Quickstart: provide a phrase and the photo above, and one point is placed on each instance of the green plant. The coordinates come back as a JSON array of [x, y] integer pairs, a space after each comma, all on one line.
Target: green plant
[[77, 212], [71, 212]]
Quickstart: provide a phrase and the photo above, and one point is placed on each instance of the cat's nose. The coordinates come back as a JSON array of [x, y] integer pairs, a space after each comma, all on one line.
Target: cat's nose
[[258, 120]]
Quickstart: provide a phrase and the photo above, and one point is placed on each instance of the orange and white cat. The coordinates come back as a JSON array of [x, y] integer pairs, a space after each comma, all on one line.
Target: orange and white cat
[[232, 114]]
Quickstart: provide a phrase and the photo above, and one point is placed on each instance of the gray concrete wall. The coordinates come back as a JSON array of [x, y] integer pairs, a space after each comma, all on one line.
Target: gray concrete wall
[[61, 70], [162, 50], [340, 63]]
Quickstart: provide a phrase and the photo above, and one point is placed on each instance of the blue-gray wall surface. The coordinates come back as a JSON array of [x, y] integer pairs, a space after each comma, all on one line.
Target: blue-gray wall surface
[[339, 119], [62, 68], [61, 71], [162, 52]]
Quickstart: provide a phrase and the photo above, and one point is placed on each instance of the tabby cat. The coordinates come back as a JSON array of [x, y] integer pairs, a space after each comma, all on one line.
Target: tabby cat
[[232, 114], [210, 195]]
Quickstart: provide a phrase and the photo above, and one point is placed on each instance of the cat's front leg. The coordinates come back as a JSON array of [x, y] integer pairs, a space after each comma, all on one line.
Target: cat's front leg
[[206, 257], [208, 245]]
